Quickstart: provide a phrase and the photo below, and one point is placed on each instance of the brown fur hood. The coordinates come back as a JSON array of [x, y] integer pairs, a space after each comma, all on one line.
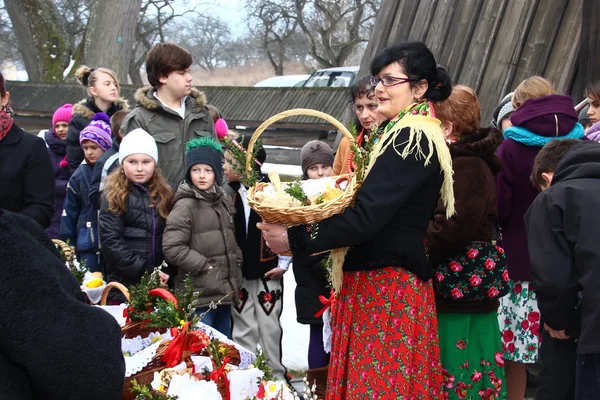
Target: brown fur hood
[[146, 99], [483, 144], [83, 107]]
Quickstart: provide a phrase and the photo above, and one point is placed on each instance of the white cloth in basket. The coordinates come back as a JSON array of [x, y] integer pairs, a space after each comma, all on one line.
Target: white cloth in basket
[[246, 357], [116, 312], [188, 389]]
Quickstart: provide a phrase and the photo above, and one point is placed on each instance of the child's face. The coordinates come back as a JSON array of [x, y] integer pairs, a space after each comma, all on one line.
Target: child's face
[[594, 111], [202, 176], [91, 151], [505, 123], [60, 129], [230, 165], [105, 88], [317, 171], [547, 176], [139, 168], [177, 83]]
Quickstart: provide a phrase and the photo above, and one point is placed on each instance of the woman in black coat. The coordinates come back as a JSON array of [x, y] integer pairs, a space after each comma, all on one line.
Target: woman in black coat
[[52, 344], [26, 177]]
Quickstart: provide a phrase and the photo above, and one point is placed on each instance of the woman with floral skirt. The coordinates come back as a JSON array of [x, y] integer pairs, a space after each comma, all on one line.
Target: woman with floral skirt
[[385, 342]]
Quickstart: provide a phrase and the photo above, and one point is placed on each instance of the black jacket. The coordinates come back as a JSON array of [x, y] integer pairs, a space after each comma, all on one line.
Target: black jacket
[[83, 112], [52, 344], [131, 242], [311, 282], [101, 172], [258, 258], [562, 226], [26, 176], [386, 226]]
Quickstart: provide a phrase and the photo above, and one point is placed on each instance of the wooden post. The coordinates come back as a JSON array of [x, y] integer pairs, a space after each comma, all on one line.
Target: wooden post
[[589, 51]]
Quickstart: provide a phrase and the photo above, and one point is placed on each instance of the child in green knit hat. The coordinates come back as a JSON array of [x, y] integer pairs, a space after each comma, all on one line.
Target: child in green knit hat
[[199, 237]]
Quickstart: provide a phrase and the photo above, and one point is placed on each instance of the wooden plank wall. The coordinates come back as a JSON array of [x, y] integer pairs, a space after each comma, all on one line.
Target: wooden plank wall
[[493, 45]]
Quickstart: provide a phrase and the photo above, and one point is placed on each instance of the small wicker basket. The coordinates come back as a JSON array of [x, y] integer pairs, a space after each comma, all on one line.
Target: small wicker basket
[[300, 215]]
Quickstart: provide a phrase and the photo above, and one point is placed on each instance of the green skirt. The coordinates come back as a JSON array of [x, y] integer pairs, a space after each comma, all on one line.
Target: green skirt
[[472, 356]]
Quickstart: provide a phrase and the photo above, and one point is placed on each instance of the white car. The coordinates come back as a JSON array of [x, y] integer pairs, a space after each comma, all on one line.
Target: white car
[[282, 81], [333, 77]]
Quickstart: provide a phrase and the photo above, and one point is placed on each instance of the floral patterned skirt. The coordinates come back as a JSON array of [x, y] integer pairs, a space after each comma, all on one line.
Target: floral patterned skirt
[[385, 341], [472, 356], [519, 320]]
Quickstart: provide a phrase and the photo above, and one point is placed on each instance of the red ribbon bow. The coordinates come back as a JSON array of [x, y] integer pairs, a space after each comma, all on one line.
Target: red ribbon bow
[[327, 302], [174, 352], [220, 373]]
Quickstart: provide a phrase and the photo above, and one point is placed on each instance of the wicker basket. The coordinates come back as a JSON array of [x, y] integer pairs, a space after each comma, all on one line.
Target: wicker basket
[[300, 215], [66, 251]]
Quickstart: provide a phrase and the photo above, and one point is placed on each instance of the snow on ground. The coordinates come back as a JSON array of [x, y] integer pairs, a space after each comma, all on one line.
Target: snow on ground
[[295, 335]]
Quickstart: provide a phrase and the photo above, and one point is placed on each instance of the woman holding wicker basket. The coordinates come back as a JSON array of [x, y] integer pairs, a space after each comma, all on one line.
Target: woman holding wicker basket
[[385, 341]]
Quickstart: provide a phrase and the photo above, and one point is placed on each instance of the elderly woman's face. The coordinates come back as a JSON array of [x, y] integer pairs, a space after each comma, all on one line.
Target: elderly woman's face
[[393, 99]]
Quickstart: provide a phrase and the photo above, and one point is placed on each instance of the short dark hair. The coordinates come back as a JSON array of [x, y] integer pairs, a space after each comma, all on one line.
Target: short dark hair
[[362, 87], [549, 157], [164, 58], [115, 124], [593, 91], [418, 63]]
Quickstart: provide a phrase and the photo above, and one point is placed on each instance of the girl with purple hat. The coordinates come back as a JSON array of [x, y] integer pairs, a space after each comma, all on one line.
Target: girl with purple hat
[[79, 224]]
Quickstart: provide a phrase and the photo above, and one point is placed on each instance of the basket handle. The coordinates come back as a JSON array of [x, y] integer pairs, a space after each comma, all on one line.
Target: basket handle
[[291, 113], [115, 285], [66, 249]]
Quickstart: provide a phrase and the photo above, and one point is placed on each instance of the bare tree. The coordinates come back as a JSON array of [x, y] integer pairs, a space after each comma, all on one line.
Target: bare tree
[[274, 24], [206, 37], [110, 34], [41, 38], [7, 39], [335, 28]]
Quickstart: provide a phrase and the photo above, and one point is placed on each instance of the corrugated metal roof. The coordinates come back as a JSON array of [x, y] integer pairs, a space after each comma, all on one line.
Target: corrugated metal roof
[[251, 104]]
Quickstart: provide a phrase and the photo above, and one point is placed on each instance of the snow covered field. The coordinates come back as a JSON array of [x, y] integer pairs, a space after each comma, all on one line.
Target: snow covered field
[[295, 335]]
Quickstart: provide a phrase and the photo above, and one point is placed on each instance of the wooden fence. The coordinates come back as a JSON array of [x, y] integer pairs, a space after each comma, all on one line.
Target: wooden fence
[[493, 45]]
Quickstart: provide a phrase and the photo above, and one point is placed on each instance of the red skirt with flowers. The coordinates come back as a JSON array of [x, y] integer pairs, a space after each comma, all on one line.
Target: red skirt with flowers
[[385, 341]]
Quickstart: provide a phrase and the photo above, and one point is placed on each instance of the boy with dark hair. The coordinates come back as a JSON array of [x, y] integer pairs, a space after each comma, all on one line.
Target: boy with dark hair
[[561, 231], [171, 110], [109, 160]]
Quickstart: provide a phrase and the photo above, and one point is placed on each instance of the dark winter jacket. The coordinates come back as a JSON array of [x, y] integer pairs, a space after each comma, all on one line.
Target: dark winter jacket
[[199, 240], [311, 282], [475, 165], [106, 164], [79, 224], [82, 116], [515, 192], [562, 226], [258, 258], [386, 226], [53, 346], [131, 242], [169, 130], [26, 178], [57, 149]]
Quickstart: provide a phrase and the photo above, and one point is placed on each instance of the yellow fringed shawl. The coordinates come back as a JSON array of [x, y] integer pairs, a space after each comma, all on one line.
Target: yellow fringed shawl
[[419, 126]]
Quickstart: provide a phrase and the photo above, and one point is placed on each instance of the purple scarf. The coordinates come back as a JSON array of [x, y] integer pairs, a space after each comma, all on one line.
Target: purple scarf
[[593, 132]]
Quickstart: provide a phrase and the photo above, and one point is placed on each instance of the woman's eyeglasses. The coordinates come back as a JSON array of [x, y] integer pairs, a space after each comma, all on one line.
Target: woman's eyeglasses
[[388, 81]]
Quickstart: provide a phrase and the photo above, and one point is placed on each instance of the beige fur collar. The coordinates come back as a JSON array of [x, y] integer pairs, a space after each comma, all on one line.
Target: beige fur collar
[[149, 102], [82, 109]]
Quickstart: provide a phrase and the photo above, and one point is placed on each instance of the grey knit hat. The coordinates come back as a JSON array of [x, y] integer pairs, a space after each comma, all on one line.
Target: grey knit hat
[[506, 109], [315, 152]]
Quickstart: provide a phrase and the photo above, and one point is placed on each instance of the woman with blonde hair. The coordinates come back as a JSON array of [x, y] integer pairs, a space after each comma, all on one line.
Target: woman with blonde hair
[[102, 89], [468, 329], [540, 117]]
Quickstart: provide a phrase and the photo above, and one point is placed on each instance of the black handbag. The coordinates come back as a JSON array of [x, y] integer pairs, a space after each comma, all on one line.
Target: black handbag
[[478, 273]]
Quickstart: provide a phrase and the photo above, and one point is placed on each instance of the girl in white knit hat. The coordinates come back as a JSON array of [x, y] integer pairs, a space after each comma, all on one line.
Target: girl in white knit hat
[[135, 204]]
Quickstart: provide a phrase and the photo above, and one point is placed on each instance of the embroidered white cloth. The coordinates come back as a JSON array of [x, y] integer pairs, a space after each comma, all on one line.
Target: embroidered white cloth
[[138, 361], [246, 357], [187, 389], [242, 383], [327, 334]]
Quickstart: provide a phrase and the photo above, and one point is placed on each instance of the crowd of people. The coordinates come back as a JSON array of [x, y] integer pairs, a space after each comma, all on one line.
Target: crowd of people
[[447, 206]]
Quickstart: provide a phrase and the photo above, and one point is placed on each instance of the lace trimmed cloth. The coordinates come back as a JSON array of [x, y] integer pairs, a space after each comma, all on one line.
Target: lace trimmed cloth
[[141, 351], [246, 357]]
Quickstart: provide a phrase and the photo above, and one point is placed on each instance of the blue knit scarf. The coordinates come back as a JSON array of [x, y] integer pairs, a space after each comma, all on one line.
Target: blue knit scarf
[[530, 138]]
